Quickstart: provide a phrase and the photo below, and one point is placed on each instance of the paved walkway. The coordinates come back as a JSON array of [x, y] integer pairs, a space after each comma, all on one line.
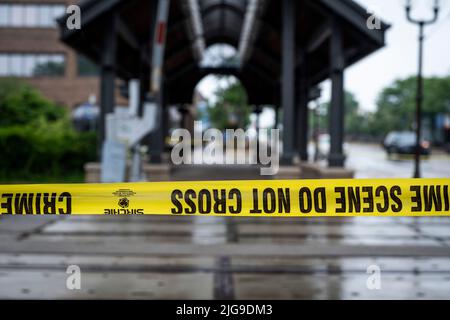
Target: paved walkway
[[205, 258]]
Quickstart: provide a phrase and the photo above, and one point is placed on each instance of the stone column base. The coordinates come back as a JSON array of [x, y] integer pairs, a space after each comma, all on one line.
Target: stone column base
[[315, 171], [92, 172], [157, 172], [288, 172], [152, 172]]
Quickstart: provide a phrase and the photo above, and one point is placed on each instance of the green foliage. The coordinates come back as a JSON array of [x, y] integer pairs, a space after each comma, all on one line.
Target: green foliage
[[231, 110], [355, 119], [45, 147], [396, 104], [396, 107], [358, 123], [36, 136], [20, 104]]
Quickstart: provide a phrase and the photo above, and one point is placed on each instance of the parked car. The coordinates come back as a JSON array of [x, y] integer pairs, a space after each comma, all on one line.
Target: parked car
[[404, 142]]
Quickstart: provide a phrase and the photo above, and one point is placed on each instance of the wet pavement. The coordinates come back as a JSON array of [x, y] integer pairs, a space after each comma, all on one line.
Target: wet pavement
[[370, 161], [156, 257], [212, 258]]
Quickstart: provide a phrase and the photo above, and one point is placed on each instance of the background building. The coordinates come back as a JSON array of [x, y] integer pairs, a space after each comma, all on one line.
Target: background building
[[30, 49]]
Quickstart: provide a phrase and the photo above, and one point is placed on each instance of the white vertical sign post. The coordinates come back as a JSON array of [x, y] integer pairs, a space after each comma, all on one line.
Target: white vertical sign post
[[124, 130]]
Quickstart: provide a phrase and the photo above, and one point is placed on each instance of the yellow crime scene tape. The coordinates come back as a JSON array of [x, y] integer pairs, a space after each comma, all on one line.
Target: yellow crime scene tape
[[268, 198]]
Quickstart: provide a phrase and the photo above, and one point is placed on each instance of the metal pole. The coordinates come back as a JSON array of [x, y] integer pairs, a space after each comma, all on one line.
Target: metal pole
[[277, 116], [159, 45], [157, 79], [288, 79], [257, 137], [419, 97], [107, 85], [157, 142], [258, 110], [419, 101], [316, 132], [303, 125], [314, 94]]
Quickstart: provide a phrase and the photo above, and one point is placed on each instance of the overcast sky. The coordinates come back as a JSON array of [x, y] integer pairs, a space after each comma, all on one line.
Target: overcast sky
[[399, 58]]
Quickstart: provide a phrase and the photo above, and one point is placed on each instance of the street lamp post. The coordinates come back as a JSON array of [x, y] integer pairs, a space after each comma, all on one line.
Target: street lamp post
[[419, 99]]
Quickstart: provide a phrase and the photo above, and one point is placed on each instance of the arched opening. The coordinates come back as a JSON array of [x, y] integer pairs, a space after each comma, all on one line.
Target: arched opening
[[220, 105], [220, 55], [221, 102]]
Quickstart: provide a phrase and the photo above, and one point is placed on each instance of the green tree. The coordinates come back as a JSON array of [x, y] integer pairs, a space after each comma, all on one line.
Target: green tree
[[37, 139], [356, 121], [396, 104], [231, 110]]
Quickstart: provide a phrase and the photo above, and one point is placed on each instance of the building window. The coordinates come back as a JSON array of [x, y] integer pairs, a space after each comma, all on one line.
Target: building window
[[32, 65], [3, 65], [15, 65], [86, 68], [4, 14], [30, 15]]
